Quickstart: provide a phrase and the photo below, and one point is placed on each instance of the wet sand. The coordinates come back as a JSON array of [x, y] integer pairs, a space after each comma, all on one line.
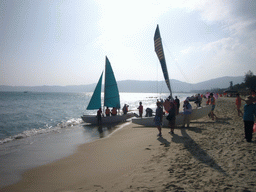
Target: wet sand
[[211, 155]]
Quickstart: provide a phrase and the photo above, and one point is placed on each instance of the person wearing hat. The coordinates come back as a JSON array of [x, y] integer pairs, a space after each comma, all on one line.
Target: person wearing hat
[[187, 110], [249, 113]]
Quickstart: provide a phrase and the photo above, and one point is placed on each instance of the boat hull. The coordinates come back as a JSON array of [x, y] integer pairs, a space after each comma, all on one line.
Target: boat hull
[[92, 119], [196, 114]]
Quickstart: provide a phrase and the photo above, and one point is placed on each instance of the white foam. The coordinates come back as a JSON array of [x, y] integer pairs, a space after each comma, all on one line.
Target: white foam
[[48, 129]]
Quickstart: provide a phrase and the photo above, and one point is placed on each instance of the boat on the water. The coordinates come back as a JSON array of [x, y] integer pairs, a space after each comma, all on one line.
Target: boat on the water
[[196, 113], [111, 99]]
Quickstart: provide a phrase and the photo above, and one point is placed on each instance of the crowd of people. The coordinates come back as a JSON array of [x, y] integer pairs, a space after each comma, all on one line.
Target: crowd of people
[[108, 112], [171, 107]]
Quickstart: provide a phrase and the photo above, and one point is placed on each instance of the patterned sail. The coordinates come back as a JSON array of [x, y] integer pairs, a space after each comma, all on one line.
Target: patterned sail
[[95, 102], [160, 53], [111, 93]]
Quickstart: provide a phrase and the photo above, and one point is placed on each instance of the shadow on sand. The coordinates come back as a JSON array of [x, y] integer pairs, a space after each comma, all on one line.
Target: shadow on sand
[[218, 120], [164, 141], [196, 151]]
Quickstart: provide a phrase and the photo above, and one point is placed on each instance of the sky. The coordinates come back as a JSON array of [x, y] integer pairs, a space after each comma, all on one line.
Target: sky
[[65, 42]]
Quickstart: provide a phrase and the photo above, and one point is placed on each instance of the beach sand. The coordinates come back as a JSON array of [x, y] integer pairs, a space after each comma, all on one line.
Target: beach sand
[[211, 155]]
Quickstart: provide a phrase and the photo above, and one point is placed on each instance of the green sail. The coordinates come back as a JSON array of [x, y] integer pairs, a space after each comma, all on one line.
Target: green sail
[[95, 102], [111, 93]]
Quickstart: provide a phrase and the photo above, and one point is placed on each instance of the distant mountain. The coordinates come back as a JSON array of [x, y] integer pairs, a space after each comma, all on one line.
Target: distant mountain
[[177, 86], [222, 82], [136, 86]]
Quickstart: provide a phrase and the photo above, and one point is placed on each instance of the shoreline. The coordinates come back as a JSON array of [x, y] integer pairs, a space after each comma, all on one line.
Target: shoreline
[[210, 155], [22, 155], [99, 151]]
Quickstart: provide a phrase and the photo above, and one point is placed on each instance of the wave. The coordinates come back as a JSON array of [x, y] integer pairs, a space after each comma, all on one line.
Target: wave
[[47, 129]]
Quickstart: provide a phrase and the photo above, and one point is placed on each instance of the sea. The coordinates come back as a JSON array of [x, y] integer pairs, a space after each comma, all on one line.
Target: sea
[[37, 128]]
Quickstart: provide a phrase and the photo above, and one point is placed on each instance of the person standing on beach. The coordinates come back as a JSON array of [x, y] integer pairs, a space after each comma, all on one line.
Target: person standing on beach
[[212, 102], [249, 113], [187, 110], [238, 104], [177, 101], [208, 103], [172, 117], [125, 109], [99, 113], [140, 109], [159, 118]]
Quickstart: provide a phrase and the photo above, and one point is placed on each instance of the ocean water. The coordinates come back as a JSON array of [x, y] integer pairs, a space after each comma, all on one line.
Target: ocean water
[[27, 114], [37, 128]]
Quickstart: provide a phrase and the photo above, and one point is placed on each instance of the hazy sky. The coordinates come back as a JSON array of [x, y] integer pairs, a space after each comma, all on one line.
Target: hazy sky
[[64, 42]]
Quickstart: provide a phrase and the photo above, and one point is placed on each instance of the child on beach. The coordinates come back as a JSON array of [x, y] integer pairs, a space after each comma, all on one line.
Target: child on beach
[[238, 104], [249, 113], [159, 118]]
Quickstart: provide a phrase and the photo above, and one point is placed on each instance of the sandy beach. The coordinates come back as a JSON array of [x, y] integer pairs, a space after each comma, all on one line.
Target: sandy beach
[[211, 155]]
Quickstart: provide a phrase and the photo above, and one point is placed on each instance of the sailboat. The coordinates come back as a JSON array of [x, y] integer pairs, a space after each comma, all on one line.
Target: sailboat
[[196, 113], [111, 98]]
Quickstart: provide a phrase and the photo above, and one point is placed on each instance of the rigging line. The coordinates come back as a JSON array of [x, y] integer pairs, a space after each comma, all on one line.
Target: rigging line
[[176, 63], [160, 84], [157, 78], [210, 31], [158, 90]]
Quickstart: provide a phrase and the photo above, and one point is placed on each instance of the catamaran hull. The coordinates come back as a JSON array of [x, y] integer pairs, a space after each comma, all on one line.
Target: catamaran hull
[[92, 119], [196, 114]]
